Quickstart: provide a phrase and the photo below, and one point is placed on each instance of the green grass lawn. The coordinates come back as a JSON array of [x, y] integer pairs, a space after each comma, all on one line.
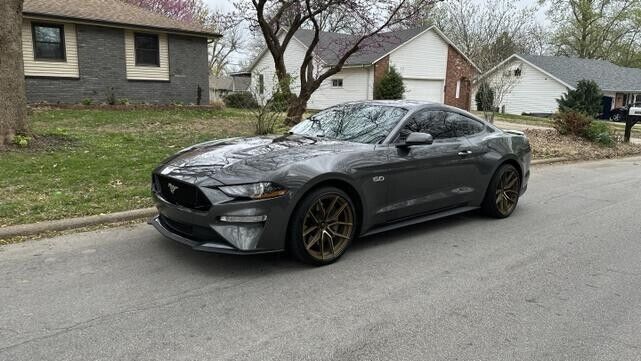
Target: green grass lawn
[[85, 162]]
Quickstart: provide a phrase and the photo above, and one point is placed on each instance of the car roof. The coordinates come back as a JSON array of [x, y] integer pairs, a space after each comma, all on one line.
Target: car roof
[[402, 103], [410, 105]]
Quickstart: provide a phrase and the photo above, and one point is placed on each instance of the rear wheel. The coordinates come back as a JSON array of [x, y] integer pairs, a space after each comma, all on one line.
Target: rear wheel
[[323, 226], [502, 195]]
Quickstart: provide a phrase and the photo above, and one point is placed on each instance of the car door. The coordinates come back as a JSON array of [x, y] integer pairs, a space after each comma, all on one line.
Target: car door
[[426, 179], [476, 132]]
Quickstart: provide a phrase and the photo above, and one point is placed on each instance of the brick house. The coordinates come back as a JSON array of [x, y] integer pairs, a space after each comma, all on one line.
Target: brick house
[[432, 67], [106, 49]]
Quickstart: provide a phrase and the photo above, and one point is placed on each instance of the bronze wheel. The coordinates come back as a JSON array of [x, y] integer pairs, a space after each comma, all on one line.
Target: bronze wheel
[[328, 227], [503, 193], [322, 226], [507, 192]]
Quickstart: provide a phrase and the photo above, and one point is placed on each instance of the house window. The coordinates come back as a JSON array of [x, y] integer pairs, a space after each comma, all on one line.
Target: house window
[[517, 72], [337, 83], [147, 49], [458, 89], [261, 84], [48, 42]]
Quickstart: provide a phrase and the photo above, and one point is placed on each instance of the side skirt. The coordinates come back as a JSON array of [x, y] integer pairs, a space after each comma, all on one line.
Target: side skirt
[[409, 222]]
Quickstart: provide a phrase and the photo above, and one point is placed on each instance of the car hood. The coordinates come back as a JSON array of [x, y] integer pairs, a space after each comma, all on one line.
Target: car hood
[[243, 160]]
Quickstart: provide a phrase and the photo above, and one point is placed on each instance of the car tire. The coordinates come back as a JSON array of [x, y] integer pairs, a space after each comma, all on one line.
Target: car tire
[[616, 117], [502, 195], [322, 226]]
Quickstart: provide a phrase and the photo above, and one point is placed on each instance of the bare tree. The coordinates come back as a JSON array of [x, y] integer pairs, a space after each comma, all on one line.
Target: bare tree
[[232, 42], [489, 31], [183, 10], [498, 83], [592, 28], [13, 103], [266, 110], [279, 20]]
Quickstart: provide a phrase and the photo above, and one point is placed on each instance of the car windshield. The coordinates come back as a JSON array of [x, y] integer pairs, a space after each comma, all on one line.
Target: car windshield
[[359, 123]]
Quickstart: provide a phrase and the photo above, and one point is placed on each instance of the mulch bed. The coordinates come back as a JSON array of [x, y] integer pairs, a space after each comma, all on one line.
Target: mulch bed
[[550, 144]]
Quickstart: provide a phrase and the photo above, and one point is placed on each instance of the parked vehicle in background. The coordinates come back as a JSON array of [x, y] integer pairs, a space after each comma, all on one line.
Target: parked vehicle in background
[[618, 114], [351, 170]]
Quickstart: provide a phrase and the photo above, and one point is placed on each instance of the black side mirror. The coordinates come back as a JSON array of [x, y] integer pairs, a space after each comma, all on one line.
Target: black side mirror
[[417, 139]]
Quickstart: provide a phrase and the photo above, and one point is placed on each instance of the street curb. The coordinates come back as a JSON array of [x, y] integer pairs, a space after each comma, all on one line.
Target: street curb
[[72, 223], [549, 161], [22, 230]]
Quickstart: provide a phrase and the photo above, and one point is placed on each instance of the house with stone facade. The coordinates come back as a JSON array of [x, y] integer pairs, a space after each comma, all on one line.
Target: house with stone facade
[[107, 50], [432, 67]]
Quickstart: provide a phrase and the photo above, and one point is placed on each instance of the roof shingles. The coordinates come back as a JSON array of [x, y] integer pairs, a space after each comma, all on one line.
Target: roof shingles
[[333, 45], [112, 12], [608, 76]]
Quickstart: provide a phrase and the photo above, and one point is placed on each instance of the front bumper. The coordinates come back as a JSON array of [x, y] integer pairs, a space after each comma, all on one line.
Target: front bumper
[[214, 246], [207, 231]]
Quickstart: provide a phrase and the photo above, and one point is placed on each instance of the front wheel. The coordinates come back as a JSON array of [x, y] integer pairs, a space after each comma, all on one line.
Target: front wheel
[[616, 117], [502, 195], [322, 226]]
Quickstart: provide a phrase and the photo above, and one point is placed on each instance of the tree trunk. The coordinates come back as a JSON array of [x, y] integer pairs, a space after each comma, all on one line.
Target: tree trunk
[[13, 103], [296, 109]]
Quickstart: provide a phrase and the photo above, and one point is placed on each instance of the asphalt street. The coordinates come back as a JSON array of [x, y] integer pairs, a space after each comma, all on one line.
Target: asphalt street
[[559, 280]]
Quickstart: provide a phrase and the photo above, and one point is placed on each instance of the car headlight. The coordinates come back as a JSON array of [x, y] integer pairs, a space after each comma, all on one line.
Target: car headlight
[[262, 190]]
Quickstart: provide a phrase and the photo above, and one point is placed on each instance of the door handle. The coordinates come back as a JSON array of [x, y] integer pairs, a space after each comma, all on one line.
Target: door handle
[[464, 153]]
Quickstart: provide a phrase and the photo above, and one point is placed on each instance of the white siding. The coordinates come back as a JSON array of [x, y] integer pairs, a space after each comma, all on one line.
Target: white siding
[[424, 57], [356, 84], [534, 92], [66, 69], [294, 55], [146, 72]]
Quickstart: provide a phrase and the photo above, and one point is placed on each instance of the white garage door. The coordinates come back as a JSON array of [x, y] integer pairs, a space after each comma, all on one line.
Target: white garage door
[[430, 90]]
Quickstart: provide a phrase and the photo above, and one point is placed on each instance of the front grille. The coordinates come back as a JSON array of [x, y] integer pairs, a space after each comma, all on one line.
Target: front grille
[[181, 193], [193, 232]]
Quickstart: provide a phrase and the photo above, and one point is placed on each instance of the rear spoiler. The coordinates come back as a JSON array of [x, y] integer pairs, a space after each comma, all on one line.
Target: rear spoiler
[[515, 132]]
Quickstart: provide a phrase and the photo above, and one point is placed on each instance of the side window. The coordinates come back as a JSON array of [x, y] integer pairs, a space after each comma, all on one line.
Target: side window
[[465, 126], [436, 123]]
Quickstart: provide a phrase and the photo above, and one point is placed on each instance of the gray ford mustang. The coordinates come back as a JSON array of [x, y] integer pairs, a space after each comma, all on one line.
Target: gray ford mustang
[[348, 171]]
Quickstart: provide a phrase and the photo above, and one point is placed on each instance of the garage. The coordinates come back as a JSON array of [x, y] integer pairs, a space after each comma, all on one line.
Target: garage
[[419, 89]]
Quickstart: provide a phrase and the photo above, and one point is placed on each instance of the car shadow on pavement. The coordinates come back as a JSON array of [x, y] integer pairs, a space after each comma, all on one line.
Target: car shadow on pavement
[[410, 233]]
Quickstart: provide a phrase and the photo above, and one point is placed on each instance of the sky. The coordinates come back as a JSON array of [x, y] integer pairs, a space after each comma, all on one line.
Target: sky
[[220, 4]]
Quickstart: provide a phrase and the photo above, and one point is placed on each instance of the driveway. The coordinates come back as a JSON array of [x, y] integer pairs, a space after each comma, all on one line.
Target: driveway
[[560, 280]]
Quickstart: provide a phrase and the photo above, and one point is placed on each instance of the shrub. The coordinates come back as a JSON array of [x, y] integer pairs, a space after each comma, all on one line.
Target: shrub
[[571, 122], [111, 96], [390, 86], [484, 98], [280, 101], [124, 101], [599, 132], [87, 101], [21, 140], [586, 98], [242, 100], [217, 104]]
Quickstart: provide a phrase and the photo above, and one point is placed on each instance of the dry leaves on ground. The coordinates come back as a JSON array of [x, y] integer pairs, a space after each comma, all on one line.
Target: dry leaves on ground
[[549, 143]]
